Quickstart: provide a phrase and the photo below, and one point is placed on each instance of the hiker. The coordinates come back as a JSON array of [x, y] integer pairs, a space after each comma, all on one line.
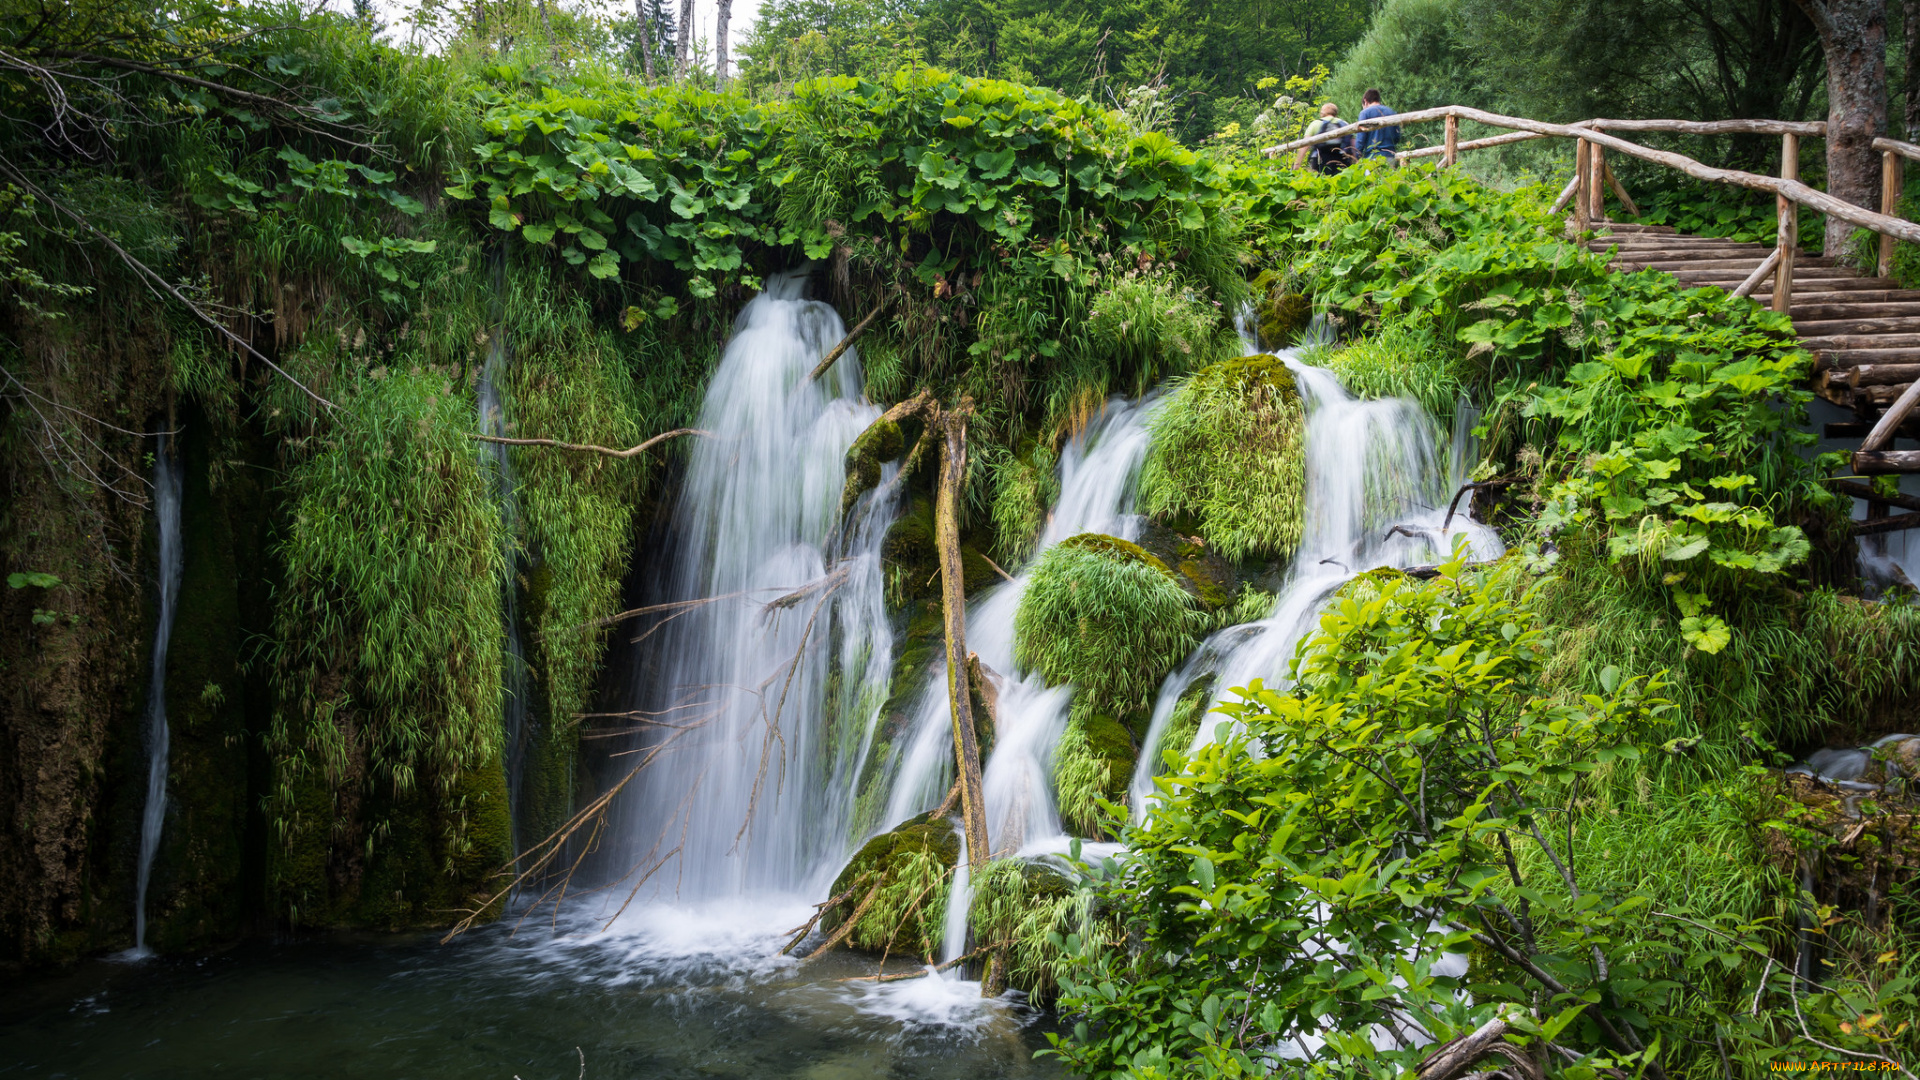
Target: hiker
[[1335, 154], [1380, 142]]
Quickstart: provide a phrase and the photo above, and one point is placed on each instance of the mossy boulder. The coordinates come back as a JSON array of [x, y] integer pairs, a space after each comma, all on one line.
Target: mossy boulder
[[879, 444], [1109, 617], [910, 553], [1229, 455], [897, 885], [1094, 761], [1281, 316]]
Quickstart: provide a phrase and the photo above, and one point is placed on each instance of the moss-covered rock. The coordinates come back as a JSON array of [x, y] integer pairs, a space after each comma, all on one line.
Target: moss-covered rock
[[1229, 454], [1109, 617], [1281, 317], [879, 444], [1094, 761], [895, 889]]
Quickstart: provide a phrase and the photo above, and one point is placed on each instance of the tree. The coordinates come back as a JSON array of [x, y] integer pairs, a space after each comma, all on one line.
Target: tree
[[643, 14], [1853, 35], [684, 43], [724, 16]]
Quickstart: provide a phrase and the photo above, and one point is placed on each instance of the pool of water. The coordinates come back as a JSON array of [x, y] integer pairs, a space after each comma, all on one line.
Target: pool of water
[[663, 992]]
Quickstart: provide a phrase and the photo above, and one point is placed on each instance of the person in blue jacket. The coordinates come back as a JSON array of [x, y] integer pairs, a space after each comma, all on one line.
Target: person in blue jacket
[[1380, 142]]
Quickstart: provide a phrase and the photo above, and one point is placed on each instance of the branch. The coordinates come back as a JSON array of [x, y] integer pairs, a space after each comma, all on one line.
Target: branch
[[631, 451], [846, 343], [155, 281]]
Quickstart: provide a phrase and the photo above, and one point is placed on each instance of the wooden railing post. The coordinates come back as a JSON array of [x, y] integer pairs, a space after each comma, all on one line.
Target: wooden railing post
[[1787, 236], [1580, 179], [1596, 182], [1890, 170], [1452, 155]]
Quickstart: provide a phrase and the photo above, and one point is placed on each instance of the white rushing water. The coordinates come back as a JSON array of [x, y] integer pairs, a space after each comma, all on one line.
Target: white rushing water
[[514, 712], [1379, 478], [1099, 475], [166, 512], [758, 716]]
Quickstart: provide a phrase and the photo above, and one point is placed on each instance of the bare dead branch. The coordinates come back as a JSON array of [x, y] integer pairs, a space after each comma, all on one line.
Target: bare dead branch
[[629, 452]]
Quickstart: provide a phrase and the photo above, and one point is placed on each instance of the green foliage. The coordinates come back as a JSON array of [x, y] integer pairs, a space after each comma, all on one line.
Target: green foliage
[[1403, 800], [897, 884], [1109, 618], [1404, 360], [1750, 217], [1151, 321], [1093, 762], [388, 619], [1024, 486], [1021, 913], [1229, 449]]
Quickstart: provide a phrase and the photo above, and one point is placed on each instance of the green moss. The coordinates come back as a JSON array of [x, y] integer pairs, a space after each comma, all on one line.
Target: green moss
[[1107, 616], [1094, 761], [1188, 714], [879, 444], [901, 878], [1024, 485], [1281, 316], [1230, 450], [910, 555]]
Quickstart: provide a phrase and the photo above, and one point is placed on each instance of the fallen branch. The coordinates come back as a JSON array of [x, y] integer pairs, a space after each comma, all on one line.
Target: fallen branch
[[846, 928], [923, 972], [846, 342], [1453, 1059], [631, 451], [953, 595]]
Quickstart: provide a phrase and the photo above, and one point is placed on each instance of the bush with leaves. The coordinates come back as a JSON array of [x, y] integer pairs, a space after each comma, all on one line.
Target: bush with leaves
[[1311, 875]]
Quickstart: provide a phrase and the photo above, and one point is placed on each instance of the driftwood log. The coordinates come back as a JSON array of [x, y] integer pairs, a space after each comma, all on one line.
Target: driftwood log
[[846, 343], [629, 452], [953, 595]]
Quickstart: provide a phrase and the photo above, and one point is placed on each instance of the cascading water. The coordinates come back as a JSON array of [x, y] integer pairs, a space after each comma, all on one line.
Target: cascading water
[[1099, 473], [1376, 495], [492, 421], [166, 510], [764, 687]]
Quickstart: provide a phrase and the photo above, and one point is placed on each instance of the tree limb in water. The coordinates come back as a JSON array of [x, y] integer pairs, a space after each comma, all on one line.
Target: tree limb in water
[[631, 451], [846, 342]]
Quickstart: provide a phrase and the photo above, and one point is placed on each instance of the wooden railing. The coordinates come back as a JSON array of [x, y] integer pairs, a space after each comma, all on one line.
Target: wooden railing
[[1592, 177]]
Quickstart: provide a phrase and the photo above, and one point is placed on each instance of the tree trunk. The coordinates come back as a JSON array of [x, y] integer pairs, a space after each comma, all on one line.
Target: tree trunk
[[1853, 34], [720, 43], [953, 595], [643, 14], [1910, 25], [682, 53]]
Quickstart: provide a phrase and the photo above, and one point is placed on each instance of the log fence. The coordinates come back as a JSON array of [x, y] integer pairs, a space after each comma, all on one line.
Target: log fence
[[1864, 332]]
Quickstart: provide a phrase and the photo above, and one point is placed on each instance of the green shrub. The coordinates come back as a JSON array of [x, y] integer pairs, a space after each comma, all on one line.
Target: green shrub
[[1021, 913], [897, 884], [1402, 360], [1229, 450], [1093, 761], [1103, 614]]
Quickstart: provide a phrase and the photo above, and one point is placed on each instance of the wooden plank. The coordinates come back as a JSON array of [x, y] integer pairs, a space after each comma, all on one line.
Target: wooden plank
[[1815, 128], [1451, 156], [1880, 374], [1620, 192], [1685, 265], [1882, 432], [1821, 327], [1885, 524], [1848, 359], [1854, 309], [1582, 211], [1857, 296], [1818, 273], [1817, 285], [1862, 341]]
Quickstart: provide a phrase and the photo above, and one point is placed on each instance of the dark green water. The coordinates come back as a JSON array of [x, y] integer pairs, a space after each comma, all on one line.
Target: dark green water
[[666, 994]]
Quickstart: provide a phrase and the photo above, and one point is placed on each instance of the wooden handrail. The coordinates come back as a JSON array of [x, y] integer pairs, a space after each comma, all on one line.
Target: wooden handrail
[[1815, 128], [1791, 190], [1892, 146]]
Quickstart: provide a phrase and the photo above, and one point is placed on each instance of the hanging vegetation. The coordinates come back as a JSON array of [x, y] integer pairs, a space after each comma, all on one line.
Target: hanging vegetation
[[1229, 459]]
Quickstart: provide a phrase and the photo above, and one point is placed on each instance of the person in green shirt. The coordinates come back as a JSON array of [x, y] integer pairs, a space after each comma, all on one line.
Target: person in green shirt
[[1334, 154]]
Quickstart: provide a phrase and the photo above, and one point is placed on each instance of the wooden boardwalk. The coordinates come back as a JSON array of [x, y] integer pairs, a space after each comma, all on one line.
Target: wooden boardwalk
[[1863, 332]]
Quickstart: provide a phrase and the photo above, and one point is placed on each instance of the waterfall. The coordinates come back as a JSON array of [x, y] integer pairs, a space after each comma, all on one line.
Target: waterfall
[[1377, 491], [492, 421], [758, 715], [166, 508], [1099, 474]]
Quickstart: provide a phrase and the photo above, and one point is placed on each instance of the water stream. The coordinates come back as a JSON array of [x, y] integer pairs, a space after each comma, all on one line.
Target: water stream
[[492, 420], [1379, 480], [166, 512]]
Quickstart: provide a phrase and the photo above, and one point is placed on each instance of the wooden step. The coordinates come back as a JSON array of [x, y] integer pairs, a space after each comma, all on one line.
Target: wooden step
[[1636, 227], [1870, 462], [1853, 327], [1747, 264], [1852, 358], [1876, 374], [1804, 286], [1852, 310], [1856, 296], [1754, 251], [1811, 273], [1862, 341]]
